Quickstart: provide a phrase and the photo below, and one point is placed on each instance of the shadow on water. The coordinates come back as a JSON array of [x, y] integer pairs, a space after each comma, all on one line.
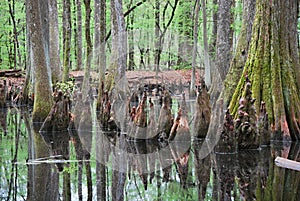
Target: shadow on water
[[61, 166]]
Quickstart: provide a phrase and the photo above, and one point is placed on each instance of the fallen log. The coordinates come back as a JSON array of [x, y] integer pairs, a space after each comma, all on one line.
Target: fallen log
[[286, 163], [11, 73]]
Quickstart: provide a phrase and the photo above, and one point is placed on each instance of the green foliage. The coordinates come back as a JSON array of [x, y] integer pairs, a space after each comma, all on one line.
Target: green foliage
[[7, 34], [182, 66], [70, 168], [237, 12], [13, 145], [67, 88]]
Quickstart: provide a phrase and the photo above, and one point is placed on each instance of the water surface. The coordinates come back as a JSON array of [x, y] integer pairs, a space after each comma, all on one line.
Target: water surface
[[62, 166]]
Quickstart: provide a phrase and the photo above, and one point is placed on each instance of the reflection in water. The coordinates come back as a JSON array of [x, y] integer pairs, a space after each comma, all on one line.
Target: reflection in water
[[224, 165], [3, 122], [57, 166], [202, 169], [42, 185]]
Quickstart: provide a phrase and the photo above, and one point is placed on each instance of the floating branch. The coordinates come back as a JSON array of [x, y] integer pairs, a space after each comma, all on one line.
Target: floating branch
[[286, 163]]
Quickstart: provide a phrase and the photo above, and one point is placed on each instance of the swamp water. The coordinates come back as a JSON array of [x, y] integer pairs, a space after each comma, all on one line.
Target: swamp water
[[93, 165]]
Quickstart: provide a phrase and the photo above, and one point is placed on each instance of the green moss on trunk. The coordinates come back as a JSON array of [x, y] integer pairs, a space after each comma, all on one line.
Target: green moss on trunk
[[239, 59], [270, 68], [42, 100], [41, 108]]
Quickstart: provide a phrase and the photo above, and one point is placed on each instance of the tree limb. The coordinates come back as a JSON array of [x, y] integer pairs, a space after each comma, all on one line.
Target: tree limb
[[125, 14]]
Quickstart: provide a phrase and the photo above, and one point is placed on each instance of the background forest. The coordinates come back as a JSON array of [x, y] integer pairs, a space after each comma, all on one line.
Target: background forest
[[247, 51], [231, 40], [141, 16]]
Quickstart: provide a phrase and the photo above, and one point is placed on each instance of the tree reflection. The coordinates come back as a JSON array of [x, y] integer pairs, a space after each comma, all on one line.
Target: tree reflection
[[150, 170], [247, 173], [41, 186], [225, 165], [202, 169], [282, 184], [3, 122]]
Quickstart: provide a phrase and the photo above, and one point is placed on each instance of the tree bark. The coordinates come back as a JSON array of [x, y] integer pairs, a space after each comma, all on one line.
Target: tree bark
[[130, 21], [42, 90], [54, 42], [29, 64], [96, 57], [67, 26], [79, 36], [119, 45], [207, 76], [157, 45], [213, 37], [87, 69], [239, 59], [126, 14], [223, 54], [102, 56], [271, 68], [194, 56]]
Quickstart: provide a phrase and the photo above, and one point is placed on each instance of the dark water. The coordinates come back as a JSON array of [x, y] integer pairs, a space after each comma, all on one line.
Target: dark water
[[87, 164]]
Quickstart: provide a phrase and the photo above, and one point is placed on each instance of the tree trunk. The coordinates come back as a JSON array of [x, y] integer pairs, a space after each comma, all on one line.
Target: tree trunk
[[16, 54], [119, 45], [238, 62], [87, 69], [112, 69], [213, 37], [194, 56], [54, 42], [160, 31], [102, 56], [42, 90], [29, 64], [130, 19], [272, 68], [185, 30], [44, 12], [223, 55], [96, 57], [74, 26], [157, 44], [79, 36], [207, 76], [66, 38]]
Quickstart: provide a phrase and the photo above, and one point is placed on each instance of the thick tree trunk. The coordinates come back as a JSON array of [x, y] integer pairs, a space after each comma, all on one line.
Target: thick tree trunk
[[271, 68], [122, 40], [119, 46], [239, 59], [54, 42], [224, 43], [42, 98]]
